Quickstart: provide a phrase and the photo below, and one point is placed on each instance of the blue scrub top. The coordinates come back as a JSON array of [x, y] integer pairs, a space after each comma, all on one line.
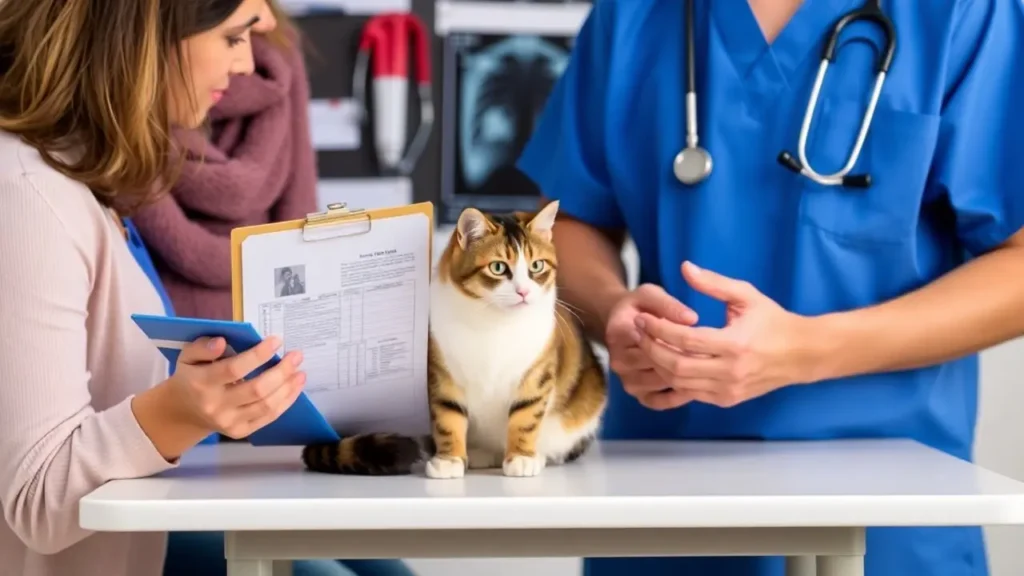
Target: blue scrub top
[[946, 153], [138, 250]]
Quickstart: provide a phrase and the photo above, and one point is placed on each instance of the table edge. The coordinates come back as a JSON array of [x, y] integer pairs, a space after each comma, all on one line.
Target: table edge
[[542, 513]]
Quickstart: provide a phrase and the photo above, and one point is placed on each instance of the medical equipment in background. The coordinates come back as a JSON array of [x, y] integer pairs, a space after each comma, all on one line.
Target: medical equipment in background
[[503, 86], [693, 163], [496, 84], [388, 42]]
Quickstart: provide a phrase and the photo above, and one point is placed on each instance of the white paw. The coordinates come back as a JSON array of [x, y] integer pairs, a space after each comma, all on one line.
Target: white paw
[[483, 459], [441, 467], [523, 466]]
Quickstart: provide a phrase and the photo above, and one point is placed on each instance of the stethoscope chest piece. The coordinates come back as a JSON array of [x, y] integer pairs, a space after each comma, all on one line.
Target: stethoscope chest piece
[[692, 165]]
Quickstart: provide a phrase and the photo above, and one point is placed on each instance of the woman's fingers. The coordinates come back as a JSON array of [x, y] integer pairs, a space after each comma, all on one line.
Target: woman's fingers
[[263, 412], [265, 384], [238, 367], [241, 420], [202, 351]]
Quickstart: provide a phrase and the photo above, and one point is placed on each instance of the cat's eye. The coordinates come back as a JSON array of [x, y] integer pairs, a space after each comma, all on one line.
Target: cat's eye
[[537, 266], [497, 267]]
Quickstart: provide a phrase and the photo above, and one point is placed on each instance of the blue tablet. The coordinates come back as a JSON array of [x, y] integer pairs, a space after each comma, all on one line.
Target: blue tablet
[[299, 425]]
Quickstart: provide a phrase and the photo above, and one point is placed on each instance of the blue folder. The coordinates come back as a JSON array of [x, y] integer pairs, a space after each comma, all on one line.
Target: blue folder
[[299, 425]]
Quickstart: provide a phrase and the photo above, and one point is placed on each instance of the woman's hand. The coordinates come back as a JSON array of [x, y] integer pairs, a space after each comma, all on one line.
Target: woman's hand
[[211, 392], [761, 348]]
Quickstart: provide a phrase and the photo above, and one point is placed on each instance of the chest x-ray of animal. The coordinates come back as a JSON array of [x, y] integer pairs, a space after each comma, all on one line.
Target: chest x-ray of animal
[[503, 87]]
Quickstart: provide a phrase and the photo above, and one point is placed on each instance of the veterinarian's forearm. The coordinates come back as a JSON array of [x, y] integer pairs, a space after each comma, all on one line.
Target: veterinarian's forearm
[[976, 306], [591, 276]]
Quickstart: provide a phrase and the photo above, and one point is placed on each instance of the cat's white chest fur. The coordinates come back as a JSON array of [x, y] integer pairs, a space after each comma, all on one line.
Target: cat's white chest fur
[[488, 352]]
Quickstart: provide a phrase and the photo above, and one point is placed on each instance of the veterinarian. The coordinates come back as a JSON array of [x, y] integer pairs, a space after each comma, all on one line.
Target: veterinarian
[[783, 297]]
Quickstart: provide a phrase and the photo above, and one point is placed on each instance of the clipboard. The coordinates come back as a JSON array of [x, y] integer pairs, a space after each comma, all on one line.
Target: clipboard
[[339, 221]]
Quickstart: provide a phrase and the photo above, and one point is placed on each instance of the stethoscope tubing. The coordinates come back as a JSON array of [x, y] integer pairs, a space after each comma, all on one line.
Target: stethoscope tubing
[[691, 77], [691, 172], [692, 164]]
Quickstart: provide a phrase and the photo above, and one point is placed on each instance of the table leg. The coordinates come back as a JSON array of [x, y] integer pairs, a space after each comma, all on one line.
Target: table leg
[[801, 566], [841, 565], [250, 567]]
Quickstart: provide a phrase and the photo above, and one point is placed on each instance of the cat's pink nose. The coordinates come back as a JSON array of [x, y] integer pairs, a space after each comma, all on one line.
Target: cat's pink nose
[[523, 291]]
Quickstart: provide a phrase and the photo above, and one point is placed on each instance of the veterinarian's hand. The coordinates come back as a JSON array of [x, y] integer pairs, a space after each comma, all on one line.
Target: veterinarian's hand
[[760, 349], [625, 356], [212, 394]]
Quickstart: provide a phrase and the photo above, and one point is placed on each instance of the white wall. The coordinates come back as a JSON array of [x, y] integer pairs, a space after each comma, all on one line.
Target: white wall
[[1000, 430]]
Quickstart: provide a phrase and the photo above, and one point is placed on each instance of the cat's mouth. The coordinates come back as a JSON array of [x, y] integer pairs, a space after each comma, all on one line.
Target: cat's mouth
[[515, 304]]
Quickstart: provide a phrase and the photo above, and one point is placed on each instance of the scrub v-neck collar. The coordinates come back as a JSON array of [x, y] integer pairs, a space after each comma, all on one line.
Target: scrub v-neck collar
[[766, 67]]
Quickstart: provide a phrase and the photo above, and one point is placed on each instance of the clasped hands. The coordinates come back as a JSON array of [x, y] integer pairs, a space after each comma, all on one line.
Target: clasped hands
[[665, 360]]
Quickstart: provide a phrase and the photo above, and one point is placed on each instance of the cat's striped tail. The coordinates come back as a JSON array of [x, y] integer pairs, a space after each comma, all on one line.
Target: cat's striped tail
[[375, 454]]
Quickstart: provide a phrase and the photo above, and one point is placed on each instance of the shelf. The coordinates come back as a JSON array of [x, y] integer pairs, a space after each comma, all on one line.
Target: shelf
[[503, 18], [351, 7]]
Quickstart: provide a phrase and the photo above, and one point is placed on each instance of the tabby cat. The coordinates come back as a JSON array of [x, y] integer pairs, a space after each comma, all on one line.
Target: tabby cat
[[512, 381]]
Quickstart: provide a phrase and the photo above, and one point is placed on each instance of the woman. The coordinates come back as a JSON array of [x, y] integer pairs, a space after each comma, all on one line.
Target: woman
[[89, 92], [252, 163], [257, 166], [824, 311]]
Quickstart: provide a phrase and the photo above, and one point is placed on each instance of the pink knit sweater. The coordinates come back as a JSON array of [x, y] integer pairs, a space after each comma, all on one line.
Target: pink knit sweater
[[70, 361], [259, 167]]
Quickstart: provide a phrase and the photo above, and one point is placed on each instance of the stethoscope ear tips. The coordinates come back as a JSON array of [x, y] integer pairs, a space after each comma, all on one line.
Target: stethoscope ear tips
[[787, 160], [857, 181]]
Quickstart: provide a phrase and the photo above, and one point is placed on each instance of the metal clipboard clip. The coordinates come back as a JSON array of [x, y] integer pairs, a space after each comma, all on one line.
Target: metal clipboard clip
[[337, 221]]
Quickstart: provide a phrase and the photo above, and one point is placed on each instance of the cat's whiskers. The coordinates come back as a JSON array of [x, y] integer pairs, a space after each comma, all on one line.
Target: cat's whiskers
[[561, 324], [570, 308]]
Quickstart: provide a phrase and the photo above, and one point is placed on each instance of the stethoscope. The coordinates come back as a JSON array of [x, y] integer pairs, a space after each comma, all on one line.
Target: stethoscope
[[693, 163]]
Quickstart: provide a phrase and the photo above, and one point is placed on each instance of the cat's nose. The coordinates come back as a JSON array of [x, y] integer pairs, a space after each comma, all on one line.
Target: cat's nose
[[523, 291]]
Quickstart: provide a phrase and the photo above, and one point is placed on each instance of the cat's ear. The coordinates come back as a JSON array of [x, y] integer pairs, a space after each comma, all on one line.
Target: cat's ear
[[544, 220], [472, 226]]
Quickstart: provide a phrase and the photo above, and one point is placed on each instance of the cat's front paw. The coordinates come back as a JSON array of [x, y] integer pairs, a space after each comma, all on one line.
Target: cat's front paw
[[445, 467], [519, 465]]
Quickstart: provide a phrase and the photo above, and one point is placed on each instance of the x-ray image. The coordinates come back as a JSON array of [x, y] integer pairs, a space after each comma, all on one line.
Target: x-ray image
[[499, 86]]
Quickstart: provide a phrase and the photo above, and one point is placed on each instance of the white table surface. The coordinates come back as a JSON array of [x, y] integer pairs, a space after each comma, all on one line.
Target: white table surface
[[236, 487]]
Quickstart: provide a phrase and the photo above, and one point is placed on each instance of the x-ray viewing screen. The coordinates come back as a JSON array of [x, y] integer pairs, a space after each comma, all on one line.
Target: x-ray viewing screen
[[495, 88]]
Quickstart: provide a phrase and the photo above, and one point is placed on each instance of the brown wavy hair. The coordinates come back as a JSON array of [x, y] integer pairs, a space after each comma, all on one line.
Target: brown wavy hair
[[86, 82]]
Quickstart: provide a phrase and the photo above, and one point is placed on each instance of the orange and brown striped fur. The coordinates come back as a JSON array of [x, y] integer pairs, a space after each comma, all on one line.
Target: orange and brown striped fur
[[513, 383], [374, 454]]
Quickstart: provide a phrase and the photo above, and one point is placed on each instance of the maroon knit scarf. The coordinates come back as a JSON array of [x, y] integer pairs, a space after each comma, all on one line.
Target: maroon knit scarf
[[235, 172]]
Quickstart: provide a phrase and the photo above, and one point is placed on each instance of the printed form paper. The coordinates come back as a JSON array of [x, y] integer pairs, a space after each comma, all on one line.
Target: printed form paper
[[357, 308]]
